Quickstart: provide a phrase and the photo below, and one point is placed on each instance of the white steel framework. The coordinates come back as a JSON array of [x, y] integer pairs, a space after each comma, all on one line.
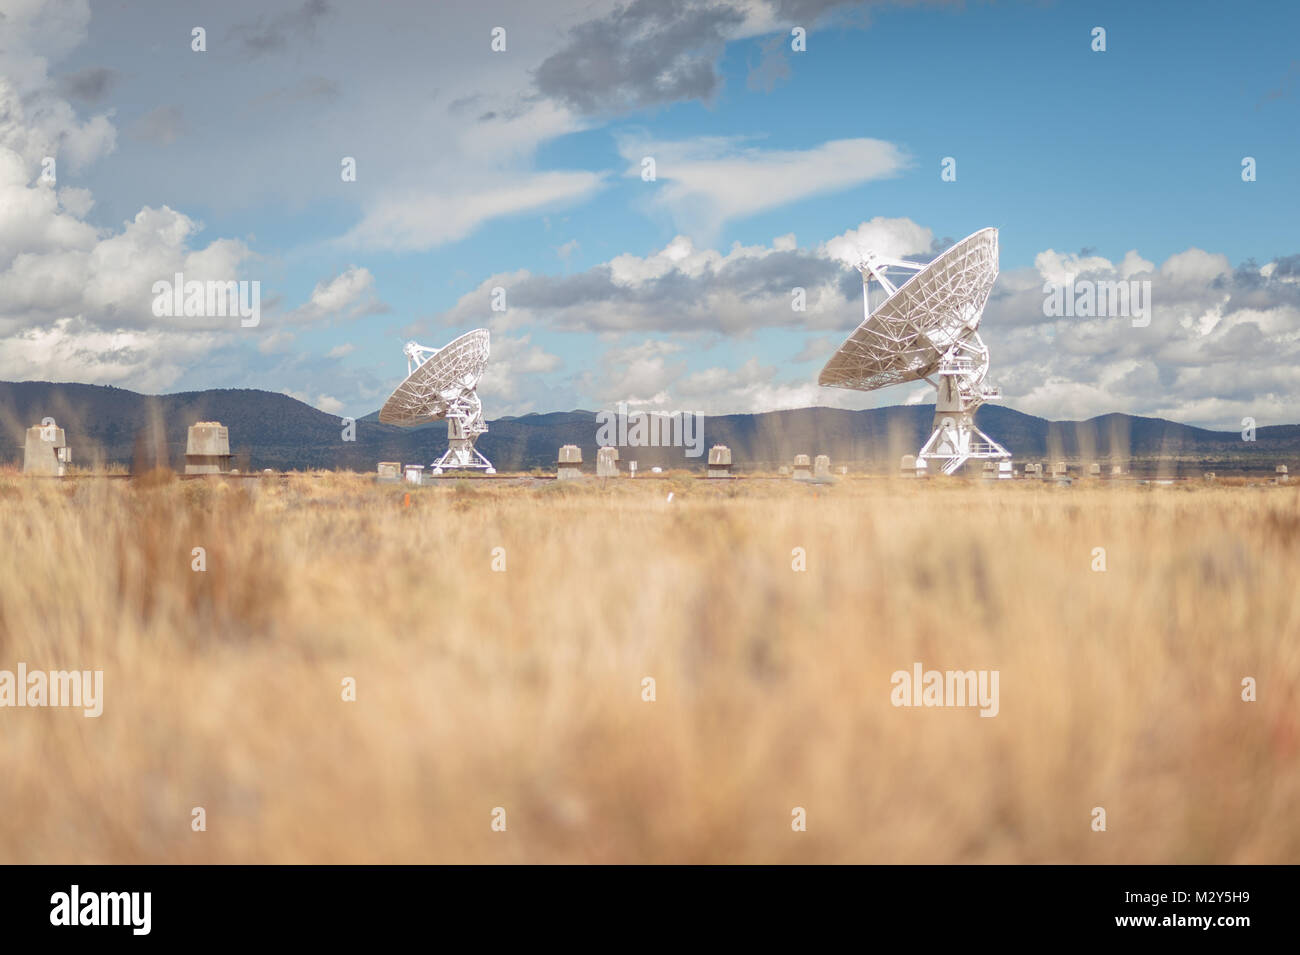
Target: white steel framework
[[926, 330], [442, 383]]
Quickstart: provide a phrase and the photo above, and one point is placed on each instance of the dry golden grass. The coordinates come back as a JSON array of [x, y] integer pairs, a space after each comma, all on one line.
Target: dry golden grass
[[223, 688]]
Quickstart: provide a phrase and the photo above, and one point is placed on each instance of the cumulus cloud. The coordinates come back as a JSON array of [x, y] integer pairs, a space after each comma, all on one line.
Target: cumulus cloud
[[72, 349], [350, 294], [1208, 322], [34, 126], [107, 280], [76, 300], [514, 372], [1222, 343], [685, 289], [35, 120], [890, 238]]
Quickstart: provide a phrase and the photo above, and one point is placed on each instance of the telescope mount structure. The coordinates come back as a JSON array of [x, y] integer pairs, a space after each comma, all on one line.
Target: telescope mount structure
[[442, 383], [926, 329]]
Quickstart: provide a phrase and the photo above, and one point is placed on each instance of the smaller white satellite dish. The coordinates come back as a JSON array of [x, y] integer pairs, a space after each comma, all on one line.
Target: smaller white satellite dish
[[441, 383]]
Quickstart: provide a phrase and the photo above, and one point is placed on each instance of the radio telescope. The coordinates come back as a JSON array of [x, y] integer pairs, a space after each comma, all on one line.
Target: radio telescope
[[440, 383], [925, 329]]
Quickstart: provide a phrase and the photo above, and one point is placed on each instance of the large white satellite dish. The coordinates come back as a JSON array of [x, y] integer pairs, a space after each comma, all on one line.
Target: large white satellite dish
[[926, 330], [441, 383]]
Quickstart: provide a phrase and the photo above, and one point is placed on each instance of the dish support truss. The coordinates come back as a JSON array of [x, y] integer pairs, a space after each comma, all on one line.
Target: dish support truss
[[464, 415], [961, 374]]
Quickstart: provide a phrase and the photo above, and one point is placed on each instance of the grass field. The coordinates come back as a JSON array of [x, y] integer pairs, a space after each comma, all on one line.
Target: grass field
[[522, 688]]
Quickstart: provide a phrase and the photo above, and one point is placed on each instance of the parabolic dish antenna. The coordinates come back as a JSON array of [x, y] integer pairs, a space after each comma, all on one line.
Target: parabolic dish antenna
[[925, 329], [441, 383]]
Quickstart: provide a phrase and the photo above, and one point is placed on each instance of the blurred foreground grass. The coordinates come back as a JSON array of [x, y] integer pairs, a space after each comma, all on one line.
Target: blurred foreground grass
[[522, 688]]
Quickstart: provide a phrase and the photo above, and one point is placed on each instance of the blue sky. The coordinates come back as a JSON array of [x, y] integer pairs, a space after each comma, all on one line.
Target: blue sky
[[520, 169]]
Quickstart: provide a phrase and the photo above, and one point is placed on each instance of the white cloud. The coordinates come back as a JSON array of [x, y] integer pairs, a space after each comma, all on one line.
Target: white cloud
[[69, 349], [1208, 323], [75, 300], [514, 370], [699, 291], [1220, 344], [713, 180], [326, 403], [31, 217], [889, 238], [34, 123], [1194, 269], [418, 220], [348, 294], [51, 129], [105, 281], [1063, 268]]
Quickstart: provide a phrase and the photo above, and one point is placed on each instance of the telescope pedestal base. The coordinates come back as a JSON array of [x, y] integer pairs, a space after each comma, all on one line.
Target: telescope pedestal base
[[956, 440], [463, 454]]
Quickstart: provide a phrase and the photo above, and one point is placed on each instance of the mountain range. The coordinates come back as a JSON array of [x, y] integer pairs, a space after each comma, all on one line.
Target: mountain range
[[108, 425]]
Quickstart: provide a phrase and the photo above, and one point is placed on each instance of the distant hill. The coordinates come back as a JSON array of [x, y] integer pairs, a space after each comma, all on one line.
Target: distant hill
[[267, 430]]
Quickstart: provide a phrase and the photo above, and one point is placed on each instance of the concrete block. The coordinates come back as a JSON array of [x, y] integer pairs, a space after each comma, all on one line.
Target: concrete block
[[719, 461], [570, 464], [607, 462], [207, 448], [46, 450]]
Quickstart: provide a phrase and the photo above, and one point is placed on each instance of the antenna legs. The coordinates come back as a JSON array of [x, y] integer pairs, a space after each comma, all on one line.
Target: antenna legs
[[463, 454], [955, 439], [464, 425]]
